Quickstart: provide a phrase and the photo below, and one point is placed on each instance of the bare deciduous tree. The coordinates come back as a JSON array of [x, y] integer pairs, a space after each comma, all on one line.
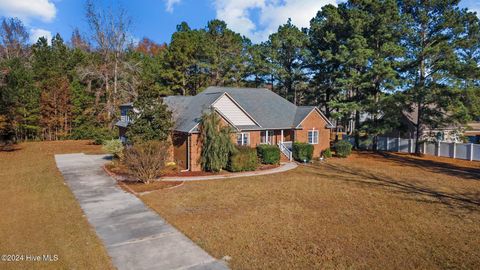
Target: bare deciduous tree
[[110, 33], [13, 38]]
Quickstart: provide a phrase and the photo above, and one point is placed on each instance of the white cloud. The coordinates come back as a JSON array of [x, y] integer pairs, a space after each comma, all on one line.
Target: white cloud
[[37, 33], [28, 9], [169, 5], [271, 14]]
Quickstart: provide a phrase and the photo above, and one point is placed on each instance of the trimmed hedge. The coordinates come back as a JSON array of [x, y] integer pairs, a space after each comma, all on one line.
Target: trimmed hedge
[[244, 159], [268, 154], [343, 148], [302, 151]]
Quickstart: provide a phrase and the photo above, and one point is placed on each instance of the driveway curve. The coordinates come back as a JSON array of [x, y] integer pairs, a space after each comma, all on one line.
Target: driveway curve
[[135, 237]]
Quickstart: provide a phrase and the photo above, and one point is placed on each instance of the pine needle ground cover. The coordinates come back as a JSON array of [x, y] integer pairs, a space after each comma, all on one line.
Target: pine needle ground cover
[[39, 214], [367, 211]]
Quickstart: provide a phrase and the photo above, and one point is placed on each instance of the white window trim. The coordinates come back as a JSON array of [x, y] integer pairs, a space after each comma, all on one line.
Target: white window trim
[[313, 136], [243, 135]]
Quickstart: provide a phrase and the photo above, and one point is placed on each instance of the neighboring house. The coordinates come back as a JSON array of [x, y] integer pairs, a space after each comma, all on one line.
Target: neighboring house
[[446, 133], [472, 132], [258, 116]]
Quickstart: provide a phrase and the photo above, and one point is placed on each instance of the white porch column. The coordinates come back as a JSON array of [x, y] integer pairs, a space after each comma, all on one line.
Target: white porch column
[[267, 140], [281, 135]]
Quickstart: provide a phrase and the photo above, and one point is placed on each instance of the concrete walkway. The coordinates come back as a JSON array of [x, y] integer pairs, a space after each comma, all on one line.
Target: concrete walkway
[[283, 168], [134, 235]]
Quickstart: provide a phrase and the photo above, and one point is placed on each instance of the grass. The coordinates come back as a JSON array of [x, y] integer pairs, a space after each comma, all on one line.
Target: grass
[[139, 187], [368, 211], [39, 214]]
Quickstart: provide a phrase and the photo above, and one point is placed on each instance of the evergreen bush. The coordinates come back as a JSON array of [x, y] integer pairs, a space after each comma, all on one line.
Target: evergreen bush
[[343, 148], [302, 152], [327, 153], [244, 159], [268, 154]]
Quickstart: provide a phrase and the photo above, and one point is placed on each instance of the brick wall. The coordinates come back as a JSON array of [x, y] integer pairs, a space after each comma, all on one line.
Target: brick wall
[[179, 146], [314, 121]]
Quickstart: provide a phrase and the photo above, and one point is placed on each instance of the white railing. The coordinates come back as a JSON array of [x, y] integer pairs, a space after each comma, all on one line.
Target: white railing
[[285, 150], [467, 151]]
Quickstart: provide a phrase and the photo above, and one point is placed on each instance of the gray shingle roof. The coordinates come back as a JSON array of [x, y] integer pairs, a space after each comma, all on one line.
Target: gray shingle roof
[[187, 111], [301, 113], [268, 109]]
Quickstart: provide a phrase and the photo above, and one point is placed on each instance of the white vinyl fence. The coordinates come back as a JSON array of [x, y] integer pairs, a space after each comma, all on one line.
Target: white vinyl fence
[[468, 151]]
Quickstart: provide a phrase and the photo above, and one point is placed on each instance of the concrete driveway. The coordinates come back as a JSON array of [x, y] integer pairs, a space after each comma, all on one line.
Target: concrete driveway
[[134, 235]]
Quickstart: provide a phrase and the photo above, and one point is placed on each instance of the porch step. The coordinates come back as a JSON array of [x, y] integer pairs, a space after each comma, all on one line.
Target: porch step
[[283, 158]]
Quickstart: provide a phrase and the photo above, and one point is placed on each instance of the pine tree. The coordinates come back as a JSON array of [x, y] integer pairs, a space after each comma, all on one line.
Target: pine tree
[[151, 119], [225, 54], [435, 29], [18, 97], [326, 34], [288, 52], [51, 67], [183, 71]]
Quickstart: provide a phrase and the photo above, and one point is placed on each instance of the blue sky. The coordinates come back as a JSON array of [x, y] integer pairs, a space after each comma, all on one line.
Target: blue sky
[[157, 19]]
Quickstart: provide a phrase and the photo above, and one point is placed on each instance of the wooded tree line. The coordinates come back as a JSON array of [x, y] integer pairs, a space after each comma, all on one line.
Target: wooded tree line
[[362, 62]]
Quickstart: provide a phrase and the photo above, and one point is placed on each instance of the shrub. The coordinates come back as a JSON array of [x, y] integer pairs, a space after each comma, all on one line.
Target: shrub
[[268, 154], [327, 153], [343, 148], [244, 159], [114, 147], [146, 160], [302, 151]]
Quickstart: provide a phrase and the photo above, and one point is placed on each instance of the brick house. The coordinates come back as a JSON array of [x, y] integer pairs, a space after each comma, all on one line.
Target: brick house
[[258, 116]]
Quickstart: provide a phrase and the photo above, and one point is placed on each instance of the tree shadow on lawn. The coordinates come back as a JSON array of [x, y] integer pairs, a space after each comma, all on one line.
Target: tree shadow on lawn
[[467, 201], [433, 165]]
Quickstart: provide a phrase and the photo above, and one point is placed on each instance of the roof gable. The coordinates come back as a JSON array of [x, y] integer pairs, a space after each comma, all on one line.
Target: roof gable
[[232, 111]]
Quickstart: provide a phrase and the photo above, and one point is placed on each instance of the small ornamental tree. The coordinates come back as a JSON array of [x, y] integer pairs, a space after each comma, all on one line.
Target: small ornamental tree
[[217, 145]]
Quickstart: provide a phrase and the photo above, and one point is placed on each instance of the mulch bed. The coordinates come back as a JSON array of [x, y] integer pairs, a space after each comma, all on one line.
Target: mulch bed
[[140, 187]]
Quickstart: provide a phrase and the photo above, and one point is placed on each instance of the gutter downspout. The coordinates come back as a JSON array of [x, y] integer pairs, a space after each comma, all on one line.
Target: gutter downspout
[[188, 155]]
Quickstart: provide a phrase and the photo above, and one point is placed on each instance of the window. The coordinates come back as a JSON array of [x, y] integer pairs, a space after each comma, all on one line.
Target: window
[[124, 114], [243, 138], [313, 136]]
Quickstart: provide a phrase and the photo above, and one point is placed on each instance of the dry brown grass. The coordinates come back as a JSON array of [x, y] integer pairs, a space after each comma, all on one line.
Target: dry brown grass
[[364, 212], [39, 214], [139, 187]]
